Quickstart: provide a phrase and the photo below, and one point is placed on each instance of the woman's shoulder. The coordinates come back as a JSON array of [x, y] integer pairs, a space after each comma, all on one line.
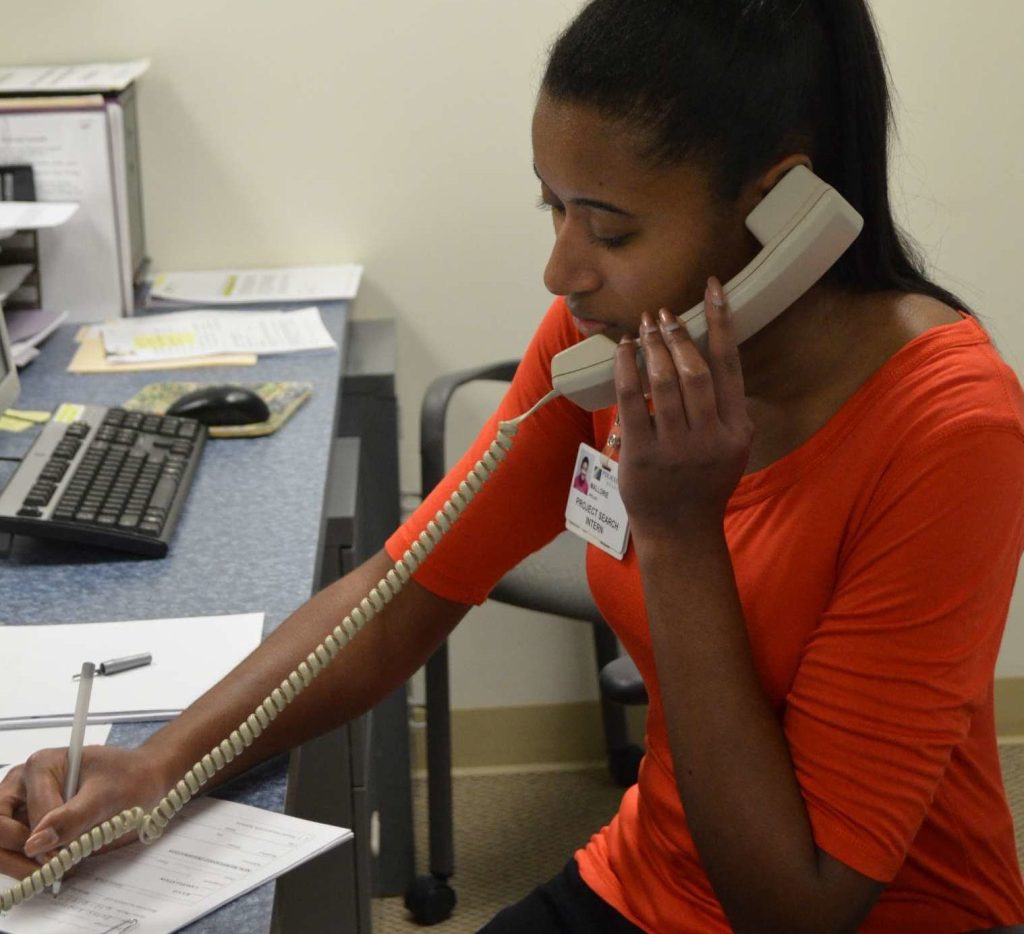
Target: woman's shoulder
[[940, 370]]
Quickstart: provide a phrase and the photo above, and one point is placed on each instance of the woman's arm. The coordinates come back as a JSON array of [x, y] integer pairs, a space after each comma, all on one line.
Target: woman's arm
[[732, 766], [743, 803], [385, 653]]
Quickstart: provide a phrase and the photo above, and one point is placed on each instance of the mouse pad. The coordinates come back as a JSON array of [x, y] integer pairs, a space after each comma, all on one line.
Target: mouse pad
[[282, 399]]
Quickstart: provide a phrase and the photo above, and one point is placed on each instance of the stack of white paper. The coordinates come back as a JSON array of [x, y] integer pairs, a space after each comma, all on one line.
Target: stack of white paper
[[40, 662], [28, 328], [239, 286], [98, 76], [206, 333]]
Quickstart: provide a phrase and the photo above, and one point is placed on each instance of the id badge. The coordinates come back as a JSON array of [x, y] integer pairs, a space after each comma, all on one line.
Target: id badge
[[595, 511]]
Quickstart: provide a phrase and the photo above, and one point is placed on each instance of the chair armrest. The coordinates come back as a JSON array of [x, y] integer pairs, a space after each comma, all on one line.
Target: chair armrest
[[435, 409], [621, 682]]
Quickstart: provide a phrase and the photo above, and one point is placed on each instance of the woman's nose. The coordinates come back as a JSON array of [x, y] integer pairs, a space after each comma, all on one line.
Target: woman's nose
[[569, 270]]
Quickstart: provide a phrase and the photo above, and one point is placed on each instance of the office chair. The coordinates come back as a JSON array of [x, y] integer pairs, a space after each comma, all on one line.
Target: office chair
[[551, 581]]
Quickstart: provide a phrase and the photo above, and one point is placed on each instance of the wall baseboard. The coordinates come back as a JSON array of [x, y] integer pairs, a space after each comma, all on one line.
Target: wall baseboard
[[1009, 694], [539, 734], [570, 734]]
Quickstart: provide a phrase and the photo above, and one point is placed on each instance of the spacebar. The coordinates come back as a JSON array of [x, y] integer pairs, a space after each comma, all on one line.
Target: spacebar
[[163, 495]]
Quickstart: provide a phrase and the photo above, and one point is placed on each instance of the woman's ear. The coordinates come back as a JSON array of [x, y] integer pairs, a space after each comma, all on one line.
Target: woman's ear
[[756, 189], [770, 178]]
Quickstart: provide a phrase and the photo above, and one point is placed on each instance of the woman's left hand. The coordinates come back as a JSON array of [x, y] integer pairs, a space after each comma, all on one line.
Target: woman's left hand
[[679, 466]]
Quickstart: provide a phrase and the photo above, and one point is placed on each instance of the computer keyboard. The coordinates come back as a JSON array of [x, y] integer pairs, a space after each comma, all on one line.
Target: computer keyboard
[[112, 478]]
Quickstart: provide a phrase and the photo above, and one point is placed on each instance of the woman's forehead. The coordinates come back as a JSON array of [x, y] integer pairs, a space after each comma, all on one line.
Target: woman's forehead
[[580, 153]]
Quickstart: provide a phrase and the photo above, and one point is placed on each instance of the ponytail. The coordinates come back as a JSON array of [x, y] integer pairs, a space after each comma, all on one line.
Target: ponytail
[[884, 258]]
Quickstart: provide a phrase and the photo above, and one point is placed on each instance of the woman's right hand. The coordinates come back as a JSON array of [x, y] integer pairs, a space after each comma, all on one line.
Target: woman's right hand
[[35, 821]]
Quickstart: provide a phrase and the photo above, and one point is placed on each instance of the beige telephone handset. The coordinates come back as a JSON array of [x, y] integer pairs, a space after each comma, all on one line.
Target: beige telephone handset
[[804, 225]]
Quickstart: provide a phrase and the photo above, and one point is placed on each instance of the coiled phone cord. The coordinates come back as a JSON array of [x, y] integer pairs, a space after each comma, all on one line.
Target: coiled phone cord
[[150, 826]]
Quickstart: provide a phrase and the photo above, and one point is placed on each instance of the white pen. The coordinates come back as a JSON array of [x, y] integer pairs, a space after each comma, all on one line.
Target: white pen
[[77, 737]]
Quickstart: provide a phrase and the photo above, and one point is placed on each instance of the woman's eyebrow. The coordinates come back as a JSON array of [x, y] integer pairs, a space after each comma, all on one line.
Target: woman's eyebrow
[[591, 202]]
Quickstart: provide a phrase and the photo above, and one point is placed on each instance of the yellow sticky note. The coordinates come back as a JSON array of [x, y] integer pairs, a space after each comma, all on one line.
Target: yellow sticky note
[[13, 424], [68, 413], [29, 415]]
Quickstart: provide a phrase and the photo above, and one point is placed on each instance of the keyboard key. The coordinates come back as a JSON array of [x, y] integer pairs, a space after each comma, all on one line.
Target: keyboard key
[[163, 495], [32, 512], [67, 449]]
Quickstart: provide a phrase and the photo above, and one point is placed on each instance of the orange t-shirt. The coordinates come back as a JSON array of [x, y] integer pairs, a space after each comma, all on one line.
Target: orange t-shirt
[[875, 565]]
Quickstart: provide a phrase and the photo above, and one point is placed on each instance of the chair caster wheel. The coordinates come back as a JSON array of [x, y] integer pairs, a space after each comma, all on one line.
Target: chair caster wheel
[[430, 899], [624, 765]]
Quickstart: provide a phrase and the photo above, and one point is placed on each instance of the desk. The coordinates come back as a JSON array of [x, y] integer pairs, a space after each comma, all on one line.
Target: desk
[[249, 538]]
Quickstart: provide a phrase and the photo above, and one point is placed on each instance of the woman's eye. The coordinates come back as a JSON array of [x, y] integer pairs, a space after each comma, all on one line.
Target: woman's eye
[[546, 205], [610, 243]]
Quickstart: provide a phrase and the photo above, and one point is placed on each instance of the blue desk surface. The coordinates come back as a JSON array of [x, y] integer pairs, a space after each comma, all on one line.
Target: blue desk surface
[[247, 540]]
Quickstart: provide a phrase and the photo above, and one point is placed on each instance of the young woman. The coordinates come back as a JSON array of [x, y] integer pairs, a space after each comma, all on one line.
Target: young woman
[[826, 521]]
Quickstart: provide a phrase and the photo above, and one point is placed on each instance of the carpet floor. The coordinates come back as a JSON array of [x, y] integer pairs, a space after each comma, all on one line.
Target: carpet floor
[[515, 830]]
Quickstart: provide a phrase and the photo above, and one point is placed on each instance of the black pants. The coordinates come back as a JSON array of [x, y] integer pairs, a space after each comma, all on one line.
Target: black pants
[[565, 905]]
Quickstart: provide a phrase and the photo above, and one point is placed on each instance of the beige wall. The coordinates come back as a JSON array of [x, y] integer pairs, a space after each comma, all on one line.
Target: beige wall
[[395, 132]]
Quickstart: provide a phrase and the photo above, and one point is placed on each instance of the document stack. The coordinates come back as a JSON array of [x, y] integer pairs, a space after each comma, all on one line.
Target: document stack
[[77, 128]]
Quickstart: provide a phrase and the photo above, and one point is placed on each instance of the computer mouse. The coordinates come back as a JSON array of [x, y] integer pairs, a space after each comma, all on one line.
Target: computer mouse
[[221, 405]]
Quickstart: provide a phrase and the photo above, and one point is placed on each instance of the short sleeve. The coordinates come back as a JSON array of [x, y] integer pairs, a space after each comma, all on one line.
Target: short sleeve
[[906, 650], [522, 506]]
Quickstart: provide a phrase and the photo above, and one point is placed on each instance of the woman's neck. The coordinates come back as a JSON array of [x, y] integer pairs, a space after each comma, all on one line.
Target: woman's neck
[[801, 349]]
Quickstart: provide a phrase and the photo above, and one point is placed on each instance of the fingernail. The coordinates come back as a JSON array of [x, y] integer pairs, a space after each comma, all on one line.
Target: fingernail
[[625, 339], [647, 325], [41, 842], [668, 321], [715, 290]]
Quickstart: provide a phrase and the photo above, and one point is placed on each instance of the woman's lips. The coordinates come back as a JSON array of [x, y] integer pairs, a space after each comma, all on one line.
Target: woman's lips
[[588, 328]]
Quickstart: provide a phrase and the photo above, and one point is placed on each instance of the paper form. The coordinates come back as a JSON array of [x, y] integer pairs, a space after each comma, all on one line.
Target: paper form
[[91, 358], [17, 745], [211, 853], [238, 286], [198, 333], [34, 215]]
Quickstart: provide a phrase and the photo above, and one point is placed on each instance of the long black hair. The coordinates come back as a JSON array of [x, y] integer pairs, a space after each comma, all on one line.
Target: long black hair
[[738, 84]]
